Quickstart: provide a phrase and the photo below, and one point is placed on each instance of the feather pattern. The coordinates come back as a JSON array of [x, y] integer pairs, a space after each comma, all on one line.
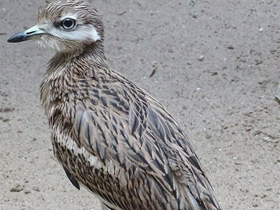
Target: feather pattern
[[113, 137]]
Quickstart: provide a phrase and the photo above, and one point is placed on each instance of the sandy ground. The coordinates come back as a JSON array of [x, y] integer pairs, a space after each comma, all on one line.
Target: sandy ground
[[217, 73]]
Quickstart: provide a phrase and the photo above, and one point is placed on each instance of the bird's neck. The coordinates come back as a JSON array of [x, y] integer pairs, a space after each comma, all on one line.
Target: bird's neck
[[64, 73], [88, 56]]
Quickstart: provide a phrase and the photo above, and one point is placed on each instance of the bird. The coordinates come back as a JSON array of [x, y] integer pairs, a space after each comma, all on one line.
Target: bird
[[109, 135]]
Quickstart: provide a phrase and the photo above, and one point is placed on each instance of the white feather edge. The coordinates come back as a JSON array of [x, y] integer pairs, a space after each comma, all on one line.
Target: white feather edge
[[94, 161]]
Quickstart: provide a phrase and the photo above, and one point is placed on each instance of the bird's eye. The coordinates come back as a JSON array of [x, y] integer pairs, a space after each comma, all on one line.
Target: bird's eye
[[68, 24]]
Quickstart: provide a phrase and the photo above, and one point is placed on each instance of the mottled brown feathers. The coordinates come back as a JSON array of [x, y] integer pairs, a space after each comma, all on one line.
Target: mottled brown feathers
[[113, 137]]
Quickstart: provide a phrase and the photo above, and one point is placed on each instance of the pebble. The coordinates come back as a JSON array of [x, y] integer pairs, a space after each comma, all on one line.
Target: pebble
[[36, 189], [17, 188], [201, 58]]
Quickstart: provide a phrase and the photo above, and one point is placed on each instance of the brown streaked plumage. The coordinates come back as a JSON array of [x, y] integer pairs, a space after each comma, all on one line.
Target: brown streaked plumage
[[109, 135]]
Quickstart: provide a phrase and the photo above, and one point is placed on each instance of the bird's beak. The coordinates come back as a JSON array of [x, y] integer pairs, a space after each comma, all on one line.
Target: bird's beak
[[26, 35]]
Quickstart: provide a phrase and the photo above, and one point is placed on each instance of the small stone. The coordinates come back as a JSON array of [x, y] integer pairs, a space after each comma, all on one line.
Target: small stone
[[36, 189], [258, 62], [277, 96], [7, 109], [6, 120], [266, 138], [257, 133], [27, 192], [201, 58], [248, 129], [17, 188]]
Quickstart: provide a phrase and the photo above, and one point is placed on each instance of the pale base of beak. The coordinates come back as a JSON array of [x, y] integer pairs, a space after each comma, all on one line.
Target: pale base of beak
[[26, 35]]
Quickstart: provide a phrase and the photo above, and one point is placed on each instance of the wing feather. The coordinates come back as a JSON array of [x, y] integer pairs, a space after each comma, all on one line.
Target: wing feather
[[140, 138]]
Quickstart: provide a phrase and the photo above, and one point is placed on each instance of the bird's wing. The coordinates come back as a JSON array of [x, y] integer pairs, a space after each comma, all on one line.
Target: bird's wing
[[141, 136], [182, 160]]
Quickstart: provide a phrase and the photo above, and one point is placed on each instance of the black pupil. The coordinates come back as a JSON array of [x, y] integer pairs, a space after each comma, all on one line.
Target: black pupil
[[68, 23]]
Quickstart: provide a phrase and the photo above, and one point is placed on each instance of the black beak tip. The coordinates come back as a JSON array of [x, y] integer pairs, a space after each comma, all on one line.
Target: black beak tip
[[18, 37], [10, 39]]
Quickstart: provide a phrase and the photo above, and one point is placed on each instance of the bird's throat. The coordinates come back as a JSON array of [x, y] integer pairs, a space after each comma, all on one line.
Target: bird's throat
[[89, 56]]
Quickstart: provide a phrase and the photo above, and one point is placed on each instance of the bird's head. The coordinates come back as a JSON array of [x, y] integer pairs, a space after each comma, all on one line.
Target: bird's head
[[67, 25]]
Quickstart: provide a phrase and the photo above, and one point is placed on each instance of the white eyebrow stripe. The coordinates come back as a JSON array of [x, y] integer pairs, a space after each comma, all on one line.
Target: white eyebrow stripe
[[81, 33]]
